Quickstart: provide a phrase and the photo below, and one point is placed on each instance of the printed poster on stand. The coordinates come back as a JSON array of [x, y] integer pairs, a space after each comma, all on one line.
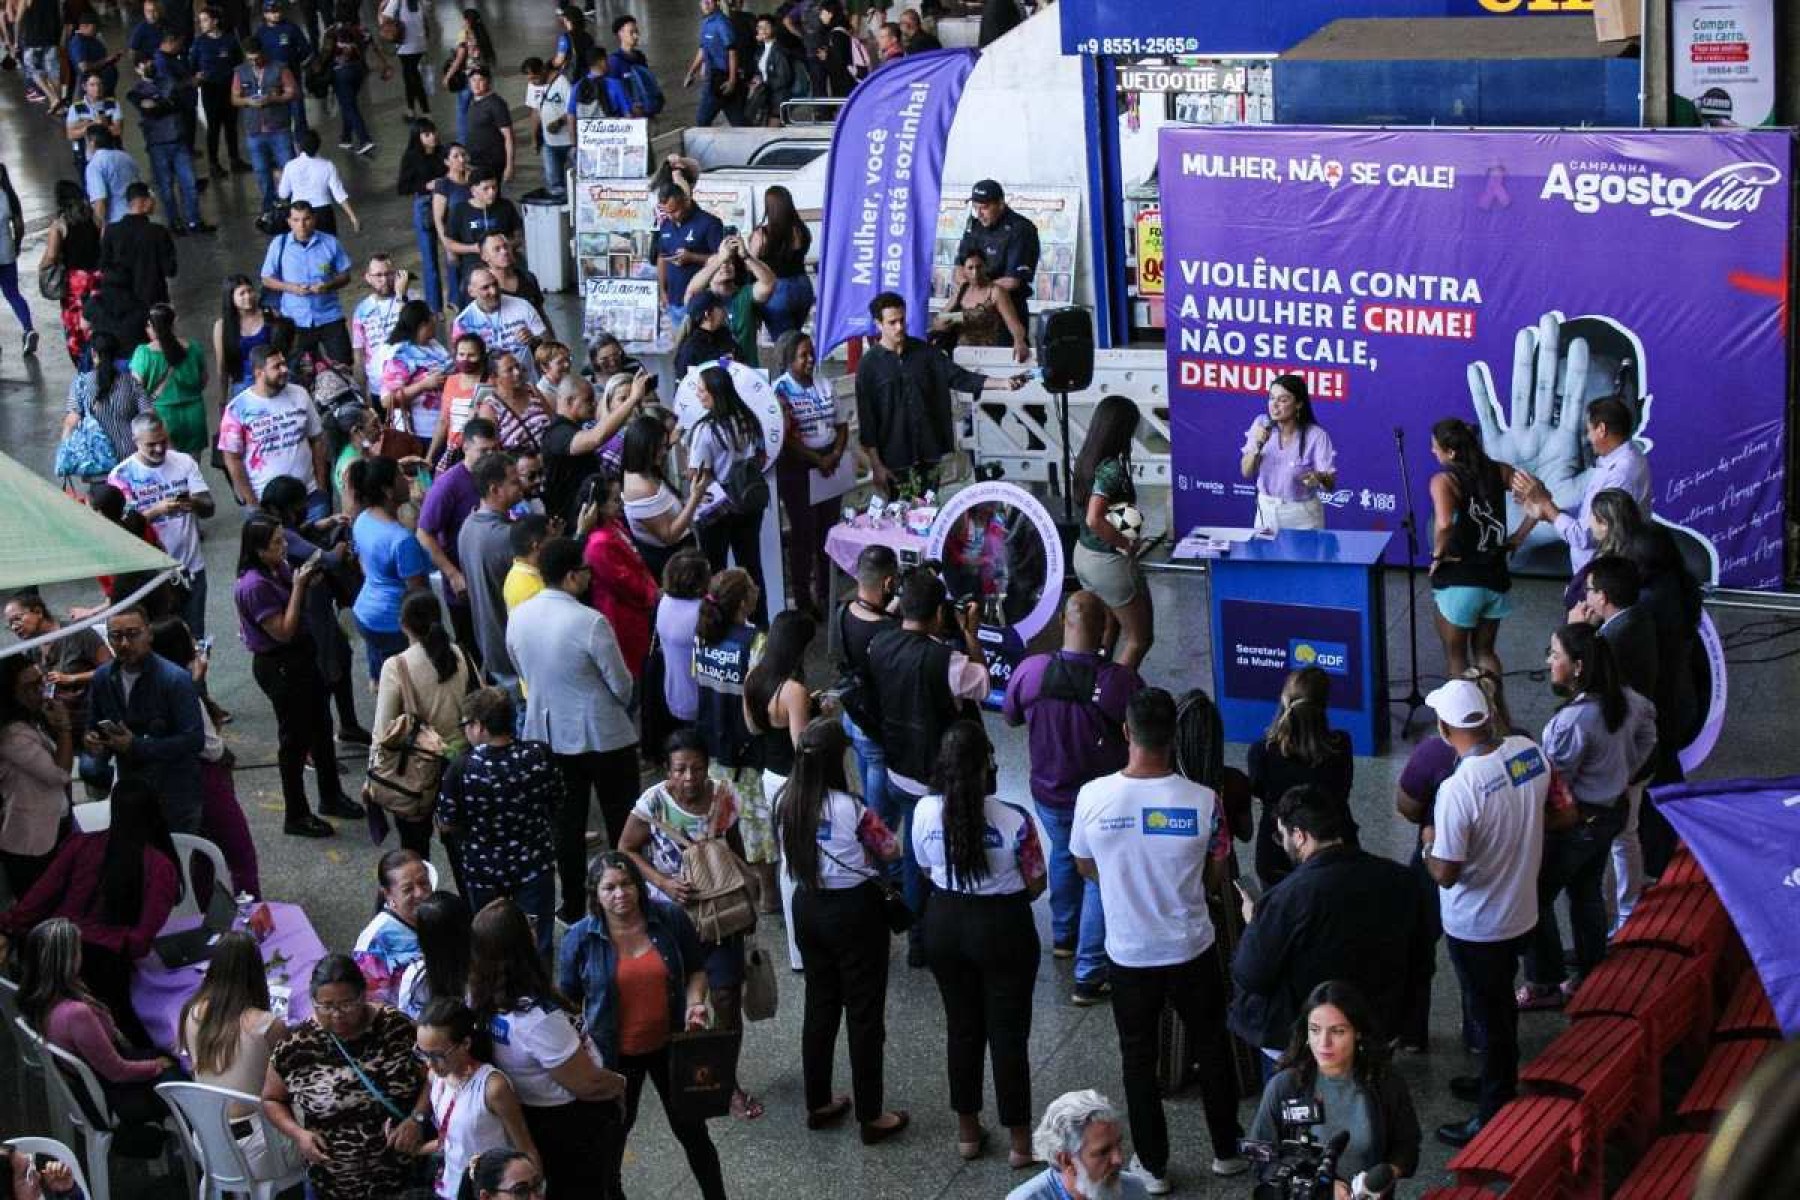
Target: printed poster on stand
[[1056, 211]]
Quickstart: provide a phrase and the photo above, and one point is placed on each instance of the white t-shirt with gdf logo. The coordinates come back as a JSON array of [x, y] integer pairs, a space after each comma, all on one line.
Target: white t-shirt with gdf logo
[[1149, 839], [1490, 818]]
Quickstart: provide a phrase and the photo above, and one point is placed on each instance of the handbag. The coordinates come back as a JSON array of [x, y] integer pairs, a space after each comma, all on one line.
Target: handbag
[[53, 282], [454, 81], [702, 1073], [720, 905], [894, 909], [87, 450], [407, 761], [760, 995]]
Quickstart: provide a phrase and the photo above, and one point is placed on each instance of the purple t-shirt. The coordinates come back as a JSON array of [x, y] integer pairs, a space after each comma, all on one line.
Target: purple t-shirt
[[447, 505], [1071, 741], [259, 596], [1433, 761]]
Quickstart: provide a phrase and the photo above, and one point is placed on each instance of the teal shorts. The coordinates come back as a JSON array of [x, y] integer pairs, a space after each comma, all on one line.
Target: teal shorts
[[1466, 607]]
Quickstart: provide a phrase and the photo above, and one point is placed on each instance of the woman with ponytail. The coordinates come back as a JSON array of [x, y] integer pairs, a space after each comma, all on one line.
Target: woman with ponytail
[[1470, 546], [427, 682], [501, 1175], [393, 561], [833, 848], [173, 372], [725, 646], [1599, 742], [986, 866], [1299, 748]]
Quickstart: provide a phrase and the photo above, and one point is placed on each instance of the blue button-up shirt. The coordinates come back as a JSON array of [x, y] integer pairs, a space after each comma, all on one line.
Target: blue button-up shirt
[[587, 971], [109, 173], [716, 39], [1623, 467], [293, 261], [1598, 763]]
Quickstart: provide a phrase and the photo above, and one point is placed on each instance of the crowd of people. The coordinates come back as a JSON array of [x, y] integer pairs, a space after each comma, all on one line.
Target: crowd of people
[[562, 619]]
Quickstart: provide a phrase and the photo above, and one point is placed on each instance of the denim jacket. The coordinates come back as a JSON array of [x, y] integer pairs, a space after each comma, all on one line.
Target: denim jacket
[[587, 971], [163, 715]]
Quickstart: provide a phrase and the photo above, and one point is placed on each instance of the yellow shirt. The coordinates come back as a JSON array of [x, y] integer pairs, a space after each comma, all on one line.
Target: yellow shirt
[[522, 583]]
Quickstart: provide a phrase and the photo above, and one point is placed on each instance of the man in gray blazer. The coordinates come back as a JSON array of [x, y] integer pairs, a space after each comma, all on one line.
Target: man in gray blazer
[[580, 701]]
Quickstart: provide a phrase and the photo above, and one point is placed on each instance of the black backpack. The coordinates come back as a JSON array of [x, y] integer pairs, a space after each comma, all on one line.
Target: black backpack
[[746, 487]]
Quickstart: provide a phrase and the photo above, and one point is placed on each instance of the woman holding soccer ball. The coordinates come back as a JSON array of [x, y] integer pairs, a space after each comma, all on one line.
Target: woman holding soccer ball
[[1106, 553]]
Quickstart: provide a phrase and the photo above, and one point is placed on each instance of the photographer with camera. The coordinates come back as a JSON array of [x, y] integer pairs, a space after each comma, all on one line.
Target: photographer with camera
[[1335, 1079]]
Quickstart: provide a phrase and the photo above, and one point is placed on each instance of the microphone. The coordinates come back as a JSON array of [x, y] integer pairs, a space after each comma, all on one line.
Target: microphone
[[1334, 1150], [1374, 1182]]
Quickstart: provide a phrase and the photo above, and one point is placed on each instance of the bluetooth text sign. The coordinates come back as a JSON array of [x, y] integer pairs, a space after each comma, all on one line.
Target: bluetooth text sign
[[1501, 277], [1261, 643]]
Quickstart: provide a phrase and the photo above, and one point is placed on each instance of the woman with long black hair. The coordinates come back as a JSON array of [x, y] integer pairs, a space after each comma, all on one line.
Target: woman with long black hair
[[777, 708], [427, 682], [173, 373], [986, 868], [782, 242], [421, 163], [72, 242], [441, 922], [270, 598], [243, 325], [1105, 556], [118, 886], [1291, 458], [1470, 546], [729, 434], [833, 847], [1600, 741], [412, 380], [37, 752], [284, 498], [659, 518], [1300, 747]]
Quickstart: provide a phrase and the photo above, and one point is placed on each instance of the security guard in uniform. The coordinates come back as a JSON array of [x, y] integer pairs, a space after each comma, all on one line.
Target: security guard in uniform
[[1007, 241]]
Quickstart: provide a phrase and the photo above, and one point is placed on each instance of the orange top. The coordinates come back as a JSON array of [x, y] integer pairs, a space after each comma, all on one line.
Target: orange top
[[643, 986]]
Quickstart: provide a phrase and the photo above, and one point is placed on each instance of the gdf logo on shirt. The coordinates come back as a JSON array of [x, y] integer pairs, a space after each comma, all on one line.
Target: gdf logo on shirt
[[1523, 766], [1333, 658], [1171, 822]]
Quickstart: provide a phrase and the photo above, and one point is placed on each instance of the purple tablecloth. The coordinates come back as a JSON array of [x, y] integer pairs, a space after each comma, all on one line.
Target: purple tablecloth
[[844, 542], [157, 992]]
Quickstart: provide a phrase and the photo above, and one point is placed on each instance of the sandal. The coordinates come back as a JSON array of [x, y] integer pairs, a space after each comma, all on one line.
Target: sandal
[[1532, 997], [970, 1151], [744, 1106], [831, 1114]]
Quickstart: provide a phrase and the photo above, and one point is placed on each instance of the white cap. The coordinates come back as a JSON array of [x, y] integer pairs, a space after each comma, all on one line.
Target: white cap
[[1460, 704]]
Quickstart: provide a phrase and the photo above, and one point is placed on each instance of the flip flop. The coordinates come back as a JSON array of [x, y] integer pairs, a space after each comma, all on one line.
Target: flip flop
[[744, 1106]]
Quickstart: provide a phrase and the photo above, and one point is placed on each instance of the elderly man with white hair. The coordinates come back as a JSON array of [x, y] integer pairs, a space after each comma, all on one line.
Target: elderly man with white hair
[[1082, 1137]]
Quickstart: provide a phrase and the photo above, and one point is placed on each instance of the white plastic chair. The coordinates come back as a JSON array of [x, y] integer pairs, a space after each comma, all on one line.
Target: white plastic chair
[[192, 903], [204, 1114], [63, 1074], [92, 818], [51, 1148], [31, 1066]]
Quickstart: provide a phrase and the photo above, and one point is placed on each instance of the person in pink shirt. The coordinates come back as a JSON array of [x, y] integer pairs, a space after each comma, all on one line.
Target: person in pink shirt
[[623, 590]]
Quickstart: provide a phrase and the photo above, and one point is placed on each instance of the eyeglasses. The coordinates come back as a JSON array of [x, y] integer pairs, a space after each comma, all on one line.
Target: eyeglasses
[[336, 1006], [126, 635], [519, 1191], [434, 1057]]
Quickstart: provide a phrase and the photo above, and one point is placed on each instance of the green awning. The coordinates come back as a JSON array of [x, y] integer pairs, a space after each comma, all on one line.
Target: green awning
[[46, 537]]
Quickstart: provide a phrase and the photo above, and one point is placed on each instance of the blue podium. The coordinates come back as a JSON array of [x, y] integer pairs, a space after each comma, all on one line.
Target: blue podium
[[1304, 598]]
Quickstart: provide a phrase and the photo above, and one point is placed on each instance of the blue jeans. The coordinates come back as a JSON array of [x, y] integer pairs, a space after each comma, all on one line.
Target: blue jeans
[[172, 167], [711, 105], [871, 764], [346, 84], [380, 646], [913, 881], [297, 107], [269, 152], [556, 167], [9, 287], [536, 898], [788, 305], [1076, 918], [426, 233], [464, 98]]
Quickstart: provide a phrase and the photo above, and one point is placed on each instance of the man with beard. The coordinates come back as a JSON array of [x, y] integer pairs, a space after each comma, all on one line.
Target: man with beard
[[1083, 1140]]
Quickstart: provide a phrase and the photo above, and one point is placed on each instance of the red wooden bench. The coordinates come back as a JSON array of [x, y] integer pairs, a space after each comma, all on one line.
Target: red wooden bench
[[1683, 868], [1462, 1193], [1603, 1062], [1720, 1079], [1531, 1146], [1662, 989], [1748, 1012], [1667, 1170], [1684, 917]]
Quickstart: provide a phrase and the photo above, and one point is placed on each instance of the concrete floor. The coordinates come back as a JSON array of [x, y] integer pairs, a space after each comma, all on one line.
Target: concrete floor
[[773, 1157]]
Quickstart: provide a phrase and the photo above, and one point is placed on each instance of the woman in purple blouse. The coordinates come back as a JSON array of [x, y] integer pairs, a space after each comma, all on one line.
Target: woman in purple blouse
[[1290, 456]]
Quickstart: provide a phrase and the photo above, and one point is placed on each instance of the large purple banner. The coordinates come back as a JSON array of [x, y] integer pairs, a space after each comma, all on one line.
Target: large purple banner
[[1503, 277], [881, 195], [1746, 834]]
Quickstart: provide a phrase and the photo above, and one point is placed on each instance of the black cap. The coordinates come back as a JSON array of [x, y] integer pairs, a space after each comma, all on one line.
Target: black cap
[[987, 191]]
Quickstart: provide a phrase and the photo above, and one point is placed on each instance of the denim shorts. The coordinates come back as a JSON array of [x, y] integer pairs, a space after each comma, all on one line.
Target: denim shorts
[[1465, 607]]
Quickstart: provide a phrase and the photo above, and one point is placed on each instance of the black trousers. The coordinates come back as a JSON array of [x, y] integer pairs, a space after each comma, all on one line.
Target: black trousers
[[414, 82], [302, 703], [1485, 971], [983, 951], [1574, 861], [1196, 991], [221, 121], [844, 941], [565, 1134], [333, 340], [1414, 1026], [696, 1143], [107, 974], [741, 535], [612, 777]]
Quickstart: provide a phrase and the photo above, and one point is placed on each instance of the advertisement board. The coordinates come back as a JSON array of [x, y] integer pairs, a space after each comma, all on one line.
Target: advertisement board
[[1056, 211], [1724, 62], [1505, 278]]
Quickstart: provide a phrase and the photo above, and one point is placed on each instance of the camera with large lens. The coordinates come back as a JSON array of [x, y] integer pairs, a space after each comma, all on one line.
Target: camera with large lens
[[1296, 1167]]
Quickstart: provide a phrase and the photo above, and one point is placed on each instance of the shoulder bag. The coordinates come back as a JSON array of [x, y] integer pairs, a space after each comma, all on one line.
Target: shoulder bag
[[720, 905], [407, 761], [894, 908], [423, 1170]]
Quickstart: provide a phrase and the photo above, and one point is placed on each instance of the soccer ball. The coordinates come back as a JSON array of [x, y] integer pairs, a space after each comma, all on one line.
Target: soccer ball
[[1126, 518]]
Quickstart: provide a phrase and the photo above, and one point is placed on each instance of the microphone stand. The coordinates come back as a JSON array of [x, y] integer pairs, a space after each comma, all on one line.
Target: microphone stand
[[1414, 699]]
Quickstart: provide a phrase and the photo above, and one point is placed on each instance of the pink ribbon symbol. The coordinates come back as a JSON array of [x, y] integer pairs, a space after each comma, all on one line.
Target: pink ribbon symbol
[[1495, 195]]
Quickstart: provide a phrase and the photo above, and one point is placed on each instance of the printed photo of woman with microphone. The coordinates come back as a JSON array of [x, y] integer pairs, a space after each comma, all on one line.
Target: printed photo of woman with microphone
[[1291, 458]]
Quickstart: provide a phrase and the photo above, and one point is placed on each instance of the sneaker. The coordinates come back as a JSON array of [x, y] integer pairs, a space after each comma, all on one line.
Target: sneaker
[[31, 342], [202, 227], [1228, 1167], [366, 149], [1086, 995], [346, 145], [1061, 951], [1156, 1185]]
